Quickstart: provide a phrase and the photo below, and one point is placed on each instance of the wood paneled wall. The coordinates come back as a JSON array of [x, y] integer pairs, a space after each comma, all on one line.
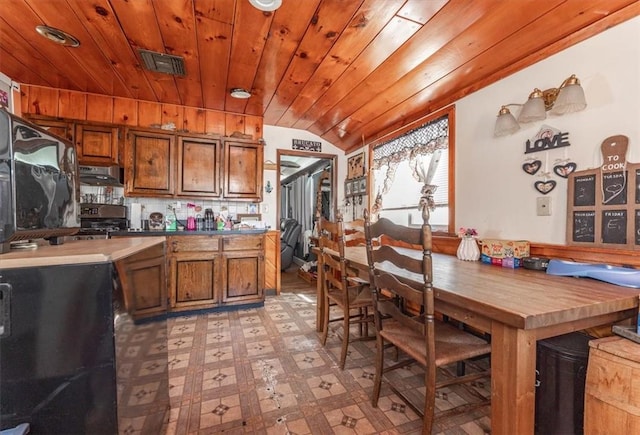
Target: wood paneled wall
[[61, 103]]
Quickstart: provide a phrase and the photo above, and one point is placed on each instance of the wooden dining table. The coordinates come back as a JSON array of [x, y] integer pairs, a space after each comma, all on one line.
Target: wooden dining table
[[517, 307]]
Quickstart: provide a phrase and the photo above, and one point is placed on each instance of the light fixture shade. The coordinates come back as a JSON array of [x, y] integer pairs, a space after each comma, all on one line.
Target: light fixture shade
[[505, 123], [533, 109], [570, 98], [266, 5], [58, 36], [240, 93]]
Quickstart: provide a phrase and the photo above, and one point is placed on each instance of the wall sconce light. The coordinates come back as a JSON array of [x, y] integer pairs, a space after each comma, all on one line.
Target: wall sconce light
[[569, 97], [268, 188]]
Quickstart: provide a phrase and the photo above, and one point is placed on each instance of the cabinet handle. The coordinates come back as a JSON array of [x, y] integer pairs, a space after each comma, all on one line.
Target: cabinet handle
[[174, 246]]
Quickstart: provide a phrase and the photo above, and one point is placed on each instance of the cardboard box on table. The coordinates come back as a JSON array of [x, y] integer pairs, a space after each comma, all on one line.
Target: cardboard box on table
[[505, 253]]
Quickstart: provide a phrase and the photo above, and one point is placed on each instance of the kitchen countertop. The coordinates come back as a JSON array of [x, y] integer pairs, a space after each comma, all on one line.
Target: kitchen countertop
[[78, 252], [146, 233]]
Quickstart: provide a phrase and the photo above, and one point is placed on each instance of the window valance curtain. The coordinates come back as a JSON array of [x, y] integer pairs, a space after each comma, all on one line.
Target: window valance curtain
[[412, 147]]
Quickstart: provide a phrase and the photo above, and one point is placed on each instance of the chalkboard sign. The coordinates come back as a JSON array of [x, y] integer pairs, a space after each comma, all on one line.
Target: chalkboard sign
[[614, 188], [584, 190], [584, 226], [601, 210], [614, 227]]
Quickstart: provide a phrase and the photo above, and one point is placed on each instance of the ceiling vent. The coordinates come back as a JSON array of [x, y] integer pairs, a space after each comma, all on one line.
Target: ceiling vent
[[162, 63]]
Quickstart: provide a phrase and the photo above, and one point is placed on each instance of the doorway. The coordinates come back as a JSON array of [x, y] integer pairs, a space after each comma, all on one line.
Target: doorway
[[303, 176]]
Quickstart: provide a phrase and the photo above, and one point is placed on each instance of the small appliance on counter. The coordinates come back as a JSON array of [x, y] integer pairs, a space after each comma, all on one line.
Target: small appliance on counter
[[98, 220], [156, 221]]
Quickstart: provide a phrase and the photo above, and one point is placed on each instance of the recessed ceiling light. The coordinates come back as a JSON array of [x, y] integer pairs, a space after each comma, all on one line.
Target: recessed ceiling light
[[266, 5], [58, 36], [240, 93]]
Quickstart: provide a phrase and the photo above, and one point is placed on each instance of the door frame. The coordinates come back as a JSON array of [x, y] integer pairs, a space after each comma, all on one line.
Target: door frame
[[334, 176]]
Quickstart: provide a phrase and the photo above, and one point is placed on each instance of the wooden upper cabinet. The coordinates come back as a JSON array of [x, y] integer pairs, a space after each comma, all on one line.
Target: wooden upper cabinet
[[63, 129], [97, 144], [199, 161], [243, 169], [149, 163]]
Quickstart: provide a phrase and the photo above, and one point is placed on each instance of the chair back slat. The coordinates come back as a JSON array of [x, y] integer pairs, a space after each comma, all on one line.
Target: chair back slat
[[354, 233], [397, 259], [393, 231]]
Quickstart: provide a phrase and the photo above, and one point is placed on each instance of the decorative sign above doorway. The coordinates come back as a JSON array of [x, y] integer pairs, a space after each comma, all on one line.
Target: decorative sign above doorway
[[306, 145]]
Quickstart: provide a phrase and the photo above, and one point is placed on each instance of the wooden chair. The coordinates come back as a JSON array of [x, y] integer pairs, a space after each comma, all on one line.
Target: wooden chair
[[401, 278], [341, 287]]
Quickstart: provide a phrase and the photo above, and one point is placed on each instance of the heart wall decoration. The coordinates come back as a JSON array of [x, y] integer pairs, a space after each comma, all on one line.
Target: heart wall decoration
[[532, 167], [545, 187], [565, 169]]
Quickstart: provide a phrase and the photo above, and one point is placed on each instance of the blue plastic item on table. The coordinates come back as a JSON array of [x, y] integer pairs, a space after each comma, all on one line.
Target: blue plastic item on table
[[21, 429], [622, 276]]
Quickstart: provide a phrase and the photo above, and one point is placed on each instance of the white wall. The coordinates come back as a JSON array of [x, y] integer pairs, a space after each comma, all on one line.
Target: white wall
[[280, 138], [493, 193]]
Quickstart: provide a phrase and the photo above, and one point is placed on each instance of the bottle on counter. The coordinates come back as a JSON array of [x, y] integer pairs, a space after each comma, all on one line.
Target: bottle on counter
[[209, 222], [191, 219]]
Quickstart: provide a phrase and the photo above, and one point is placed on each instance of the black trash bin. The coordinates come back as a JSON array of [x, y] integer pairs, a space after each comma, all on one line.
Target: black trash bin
[[561, 375]]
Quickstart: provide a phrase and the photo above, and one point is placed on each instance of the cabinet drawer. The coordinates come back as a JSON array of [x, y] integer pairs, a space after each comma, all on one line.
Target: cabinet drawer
[[193, 243], [239, 243]]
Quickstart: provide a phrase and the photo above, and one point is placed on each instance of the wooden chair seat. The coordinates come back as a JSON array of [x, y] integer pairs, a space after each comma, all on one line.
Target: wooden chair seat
[[452, 344]]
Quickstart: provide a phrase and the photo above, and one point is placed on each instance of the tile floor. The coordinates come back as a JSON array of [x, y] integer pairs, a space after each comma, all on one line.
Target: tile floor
[[263, 371]]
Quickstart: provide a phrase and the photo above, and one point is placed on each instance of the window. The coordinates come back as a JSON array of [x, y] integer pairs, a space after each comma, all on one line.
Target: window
[[402, 165]]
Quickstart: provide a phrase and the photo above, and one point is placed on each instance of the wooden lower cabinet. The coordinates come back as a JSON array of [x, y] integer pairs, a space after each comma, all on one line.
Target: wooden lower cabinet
[[214, 271], [144, 282]]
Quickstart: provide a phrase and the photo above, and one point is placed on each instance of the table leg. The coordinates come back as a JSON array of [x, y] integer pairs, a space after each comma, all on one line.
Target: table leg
[[513, 375]]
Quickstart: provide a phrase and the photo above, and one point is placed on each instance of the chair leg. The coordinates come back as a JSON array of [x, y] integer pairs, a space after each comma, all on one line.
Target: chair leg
[[345, 339], [377, 380], [430, 400], [326, 310]]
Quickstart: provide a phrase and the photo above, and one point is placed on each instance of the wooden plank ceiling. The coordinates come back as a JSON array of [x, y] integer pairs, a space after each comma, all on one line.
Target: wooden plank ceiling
[[342, 69]]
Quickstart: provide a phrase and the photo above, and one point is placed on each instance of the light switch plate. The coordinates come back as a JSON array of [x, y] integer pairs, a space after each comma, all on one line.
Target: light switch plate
[[543, 206]]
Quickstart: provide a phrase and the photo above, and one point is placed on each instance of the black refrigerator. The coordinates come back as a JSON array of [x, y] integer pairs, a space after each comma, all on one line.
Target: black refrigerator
[[59, 357]]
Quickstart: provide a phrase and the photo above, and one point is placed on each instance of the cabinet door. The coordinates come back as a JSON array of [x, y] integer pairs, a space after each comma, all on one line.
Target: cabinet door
[[97, 145], [243, 168], [144, 282], [199, 163], [59, 128], [150, 163], [193, 279], [243, 277]]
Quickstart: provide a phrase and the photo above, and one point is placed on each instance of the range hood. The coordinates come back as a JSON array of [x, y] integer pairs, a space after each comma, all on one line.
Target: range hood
[[101, 176]]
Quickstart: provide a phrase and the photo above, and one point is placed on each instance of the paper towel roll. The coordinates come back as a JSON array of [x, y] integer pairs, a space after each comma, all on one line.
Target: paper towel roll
[[135, 215]]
